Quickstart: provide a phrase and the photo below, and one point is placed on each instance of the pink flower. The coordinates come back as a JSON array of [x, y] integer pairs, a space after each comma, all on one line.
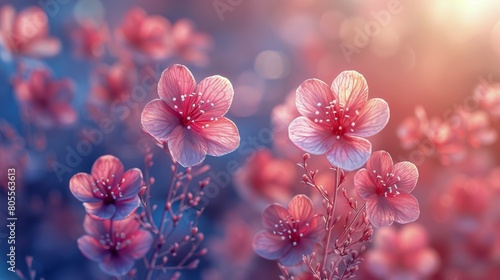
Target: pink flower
[[188, 44], [335, 120], [115, 245], [89, 39], [46, 101], [386, 188], [113, 83], [414, 129], [147, 35], [402, 254], [289, 232], [189, 119], [27, 32], [488, 96], [264, 177], [109, 192]]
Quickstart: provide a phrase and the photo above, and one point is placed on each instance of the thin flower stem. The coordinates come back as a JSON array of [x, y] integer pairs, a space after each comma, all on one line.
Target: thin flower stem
[[329, 218], [160, 238], [147, 206], [352, 222]]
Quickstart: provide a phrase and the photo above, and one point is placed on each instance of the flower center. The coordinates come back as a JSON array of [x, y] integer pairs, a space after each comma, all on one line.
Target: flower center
[[191, 109], [114, 242], [290, 230], [108, 190], [387, 185], [338, 117]]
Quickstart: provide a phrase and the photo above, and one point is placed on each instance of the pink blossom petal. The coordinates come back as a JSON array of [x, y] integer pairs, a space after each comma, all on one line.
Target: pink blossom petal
[[294, 255], [141, 243], [80, 186], [372, 118], [116, 265], [222, 137], [270, 246], [7, 15], [380, 162], [95, 227], [99, 210], [187, 146], [351, 89], [383, 211], [217, 92], [272, 214], [408, 173], [175, 81], [406, 208], [43, 47], [65, 114], [364, 185], [425, 262], [108, 167], [91, 248], [379, 212], [131, 183], [125, 208], [316, 229], [349, 152], [31, 23], [379, 263], [128, 225], [310, 136], [412, 237], [159, 120], [301, 208], [312, 97]]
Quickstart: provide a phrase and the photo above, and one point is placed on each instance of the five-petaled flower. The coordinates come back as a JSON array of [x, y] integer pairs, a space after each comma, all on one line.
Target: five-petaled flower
[[386, 189], [114, 244], [108, 192], [45, 101], [336, 119], [189, 119], [290, 233]]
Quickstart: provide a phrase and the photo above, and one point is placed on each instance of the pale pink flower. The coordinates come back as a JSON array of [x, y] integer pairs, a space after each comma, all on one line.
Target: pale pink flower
[[264, 177], [89, 39], [473, 128], [115, 245], [113, 83], [46, 101], [402, 255], [290, 233], [414, 129], [386, 189], [336, 119], [146, 35], [27, 32], [189, 119], [488, 96], [190, 45], [108, 192]]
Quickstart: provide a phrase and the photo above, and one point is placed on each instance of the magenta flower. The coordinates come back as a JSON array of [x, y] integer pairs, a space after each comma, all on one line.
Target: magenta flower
[[146, 35], [289, 232], [45, 100], [189, 119], [109, 192], [115, 245], [335, 120], [403, 254], [386, 188], [27, 32]]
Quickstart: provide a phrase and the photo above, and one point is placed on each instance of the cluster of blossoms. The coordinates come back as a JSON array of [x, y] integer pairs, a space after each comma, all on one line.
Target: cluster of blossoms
[[335, 121], [189, 122], [461, 129]]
